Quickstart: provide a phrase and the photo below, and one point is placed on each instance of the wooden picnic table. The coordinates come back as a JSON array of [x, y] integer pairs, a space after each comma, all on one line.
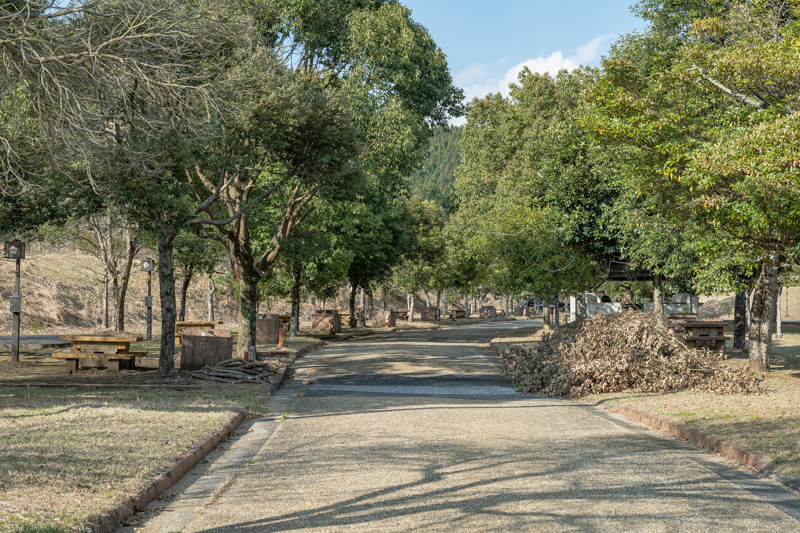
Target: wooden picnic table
[[458, 313], [705, 330], [184, 324], [402, 315], [91, 351]]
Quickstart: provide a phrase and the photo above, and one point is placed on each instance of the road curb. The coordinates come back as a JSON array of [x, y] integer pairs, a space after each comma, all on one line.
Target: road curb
[[760, 461], [281, 374], [108, 522]]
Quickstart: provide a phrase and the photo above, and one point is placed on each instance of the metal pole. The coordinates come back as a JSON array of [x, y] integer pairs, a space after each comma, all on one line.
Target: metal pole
[[149, 308], [15, 319]]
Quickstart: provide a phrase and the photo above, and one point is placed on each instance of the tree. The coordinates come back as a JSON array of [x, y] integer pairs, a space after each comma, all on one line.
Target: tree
[[372, 83], [707, 105]]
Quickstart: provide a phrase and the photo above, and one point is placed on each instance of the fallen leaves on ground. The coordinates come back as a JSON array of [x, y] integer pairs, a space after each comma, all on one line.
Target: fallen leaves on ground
[[629, 352]]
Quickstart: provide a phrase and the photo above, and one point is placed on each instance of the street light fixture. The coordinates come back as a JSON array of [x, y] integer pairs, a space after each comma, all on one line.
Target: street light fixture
[[15, 249]]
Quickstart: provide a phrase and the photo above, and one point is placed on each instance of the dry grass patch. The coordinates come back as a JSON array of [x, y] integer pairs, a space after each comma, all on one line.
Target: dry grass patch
[[69, 454], [769, 422]]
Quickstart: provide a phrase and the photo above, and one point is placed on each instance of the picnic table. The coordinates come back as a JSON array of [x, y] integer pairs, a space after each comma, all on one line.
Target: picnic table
[[185, 324], [402, 315], [458, 313], [89, 351], [705, 330], [675, 321]]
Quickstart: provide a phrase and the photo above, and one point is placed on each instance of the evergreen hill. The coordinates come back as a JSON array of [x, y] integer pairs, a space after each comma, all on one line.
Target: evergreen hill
[[436, 177]]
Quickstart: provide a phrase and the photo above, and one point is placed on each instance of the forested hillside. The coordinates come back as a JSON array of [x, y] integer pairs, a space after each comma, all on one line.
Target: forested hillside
[[437, 175]]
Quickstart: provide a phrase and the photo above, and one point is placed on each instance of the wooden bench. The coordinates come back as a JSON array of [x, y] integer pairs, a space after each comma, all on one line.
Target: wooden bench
[[458, 313], [90, 351], [402, 315], [704, 330], [184, 324]]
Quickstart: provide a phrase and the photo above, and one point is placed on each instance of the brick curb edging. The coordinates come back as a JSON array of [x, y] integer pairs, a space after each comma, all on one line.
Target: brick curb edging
[[108, 522], [758, 460], [281, 374]]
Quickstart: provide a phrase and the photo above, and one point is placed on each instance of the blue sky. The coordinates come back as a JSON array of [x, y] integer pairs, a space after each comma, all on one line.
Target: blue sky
[[488, 43]]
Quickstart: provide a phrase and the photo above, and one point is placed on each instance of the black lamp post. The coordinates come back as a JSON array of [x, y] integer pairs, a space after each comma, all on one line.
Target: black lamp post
[[15, 249], [147, 266]]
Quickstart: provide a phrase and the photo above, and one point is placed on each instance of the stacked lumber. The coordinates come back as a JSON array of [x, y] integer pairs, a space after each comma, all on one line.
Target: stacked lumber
[[236, 371], [629, 352]]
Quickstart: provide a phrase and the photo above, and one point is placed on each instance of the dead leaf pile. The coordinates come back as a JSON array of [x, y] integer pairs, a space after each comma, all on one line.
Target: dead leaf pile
[[629, 352]]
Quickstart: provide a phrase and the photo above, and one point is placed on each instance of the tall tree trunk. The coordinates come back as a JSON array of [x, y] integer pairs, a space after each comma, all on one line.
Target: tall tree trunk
[[411, 310], [762, 315], [444, 302], [427, 299], [352, 306], [778, 318], [210, 289], [166, 284], [248, 303], [362, 321], [187, 279], [105, 297], [131, 249], [466, 305], [548, 326], [740, 320], [658, 297], [297, 275]]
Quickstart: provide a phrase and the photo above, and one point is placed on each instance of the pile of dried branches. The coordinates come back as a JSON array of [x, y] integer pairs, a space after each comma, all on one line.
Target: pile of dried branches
[[631, 352], [236, 371]]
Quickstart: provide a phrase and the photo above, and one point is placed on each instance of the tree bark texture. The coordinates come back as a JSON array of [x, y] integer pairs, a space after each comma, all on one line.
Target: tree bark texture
[[740, 320], [211, 288], [187, 279], [548, 326], [248, 307], [352, 320], [105, 297], [658, 297], [762, 315], [444, 302], [166, 284], [778, 317], [131, 249], [297, 271], [411, 310], [362, 320]]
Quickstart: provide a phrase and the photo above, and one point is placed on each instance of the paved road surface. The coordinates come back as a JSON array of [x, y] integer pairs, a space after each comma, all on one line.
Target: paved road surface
[[419, 432], [32, 342]]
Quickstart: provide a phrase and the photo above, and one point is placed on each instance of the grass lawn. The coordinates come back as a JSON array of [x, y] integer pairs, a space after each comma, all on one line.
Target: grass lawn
[[69, 454], [769, 422]]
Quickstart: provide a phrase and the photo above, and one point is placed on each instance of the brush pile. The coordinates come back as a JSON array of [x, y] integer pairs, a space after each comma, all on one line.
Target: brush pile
[[236, 371], [631, 352]]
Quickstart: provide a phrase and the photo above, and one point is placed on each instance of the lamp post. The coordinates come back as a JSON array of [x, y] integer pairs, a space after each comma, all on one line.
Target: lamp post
[[147, 266], [15, 249]]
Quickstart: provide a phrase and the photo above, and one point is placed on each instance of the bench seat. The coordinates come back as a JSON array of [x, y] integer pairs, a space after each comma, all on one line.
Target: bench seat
[[114, 362], [719, 340]]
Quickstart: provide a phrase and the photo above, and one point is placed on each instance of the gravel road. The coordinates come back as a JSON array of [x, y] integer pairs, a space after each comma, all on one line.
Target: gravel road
[[420, 431]]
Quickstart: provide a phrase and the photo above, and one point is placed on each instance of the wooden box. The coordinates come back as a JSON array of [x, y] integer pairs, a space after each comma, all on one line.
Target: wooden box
[[429, 314], [268, 330], [199, 351]]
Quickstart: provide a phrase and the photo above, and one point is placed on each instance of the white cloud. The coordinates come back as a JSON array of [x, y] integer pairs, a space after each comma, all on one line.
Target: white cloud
[[479, 86], [471, 74]]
